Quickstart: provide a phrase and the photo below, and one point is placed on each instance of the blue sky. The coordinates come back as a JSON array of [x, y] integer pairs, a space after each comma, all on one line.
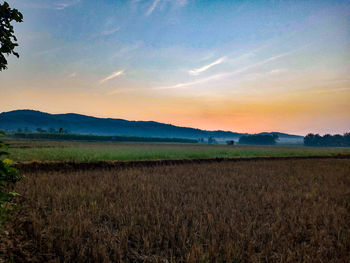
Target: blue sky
[[246, 66]]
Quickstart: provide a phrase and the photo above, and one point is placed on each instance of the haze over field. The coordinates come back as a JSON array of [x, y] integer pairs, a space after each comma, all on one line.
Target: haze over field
[[244, 66]]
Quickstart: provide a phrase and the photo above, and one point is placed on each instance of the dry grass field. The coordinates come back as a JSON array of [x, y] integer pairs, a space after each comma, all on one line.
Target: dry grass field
[[257, 211]]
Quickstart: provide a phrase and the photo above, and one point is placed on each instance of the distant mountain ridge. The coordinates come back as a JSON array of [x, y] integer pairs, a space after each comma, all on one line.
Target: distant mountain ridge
[[82, 124]]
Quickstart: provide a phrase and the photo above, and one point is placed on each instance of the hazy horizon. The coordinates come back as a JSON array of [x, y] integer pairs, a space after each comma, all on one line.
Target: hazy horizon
[[243, 66], [169, 123]]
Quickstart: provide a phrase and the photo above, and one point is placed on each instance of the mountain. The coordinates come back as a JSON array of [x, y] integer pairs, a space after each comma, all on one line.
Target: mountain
[[76, 123]]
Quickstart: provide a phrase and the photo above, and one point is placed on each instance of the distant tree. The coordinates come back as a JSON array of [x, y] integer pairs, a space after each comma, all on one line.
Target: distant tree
[[52, 130], [19, 130], [7, 37], [318, 140], [310, 140], [201, 140], [230, 142], [40, 130], [347, 139], [259, 139], [338, 140], [326, 140], [211, 140], [329, 140]]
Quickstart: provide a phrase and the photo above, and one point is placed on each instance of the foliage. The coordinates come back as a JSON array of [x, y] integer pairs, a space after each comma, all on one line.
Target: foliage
[[336, 140], [230, 142], [211, 140], [8, 177], [7, 37], [259, 139]]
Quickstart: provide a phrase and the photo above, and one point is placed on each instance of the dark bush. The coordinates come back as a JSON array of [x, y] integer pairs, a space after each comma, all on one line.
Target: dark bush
[[8, 177], [259, 139]]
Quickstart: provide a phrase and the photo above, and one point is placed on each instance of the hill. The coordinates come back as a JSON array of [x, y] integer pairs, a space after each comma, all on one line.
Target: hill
[[30, 120]]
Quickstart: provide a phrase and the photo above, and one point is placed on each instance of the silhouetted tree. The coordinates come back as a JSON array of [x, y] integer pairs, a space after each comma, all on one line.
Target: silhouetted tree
[[211, 140], [336, 140], [347, 138], [40, 130], [7, 37], [201, 140], [259, 139], [230, 142]]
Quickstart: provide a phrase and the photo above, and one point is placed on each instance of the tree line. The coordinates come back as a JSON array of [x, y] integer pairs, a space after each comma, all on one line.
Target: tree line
[[336, 140], [259, 139], [86, 137]]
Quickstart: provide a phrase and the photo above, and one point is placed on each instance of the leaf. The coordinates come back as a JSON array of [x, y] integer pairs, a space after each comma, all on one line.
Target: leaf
[[13, 194], [8, 161], [3, 153]]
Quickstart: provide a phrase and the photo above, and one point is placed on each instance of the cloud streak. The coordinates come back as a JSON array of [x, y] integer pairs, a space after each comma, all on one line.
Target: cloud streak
[[63, 5], [195, 72], [112, 76], [195, 82], [153, 6], [110, 32], [223, 75]]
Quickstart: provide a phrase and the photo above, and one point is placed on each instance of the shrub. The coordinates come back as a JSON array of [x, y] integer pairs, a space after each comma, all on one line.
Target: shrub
[[8, 177]]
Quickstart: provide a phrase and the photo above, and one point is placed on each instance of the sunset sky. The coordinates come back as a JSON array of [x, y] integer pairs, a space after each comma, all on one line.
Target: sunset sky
[[244, 66]]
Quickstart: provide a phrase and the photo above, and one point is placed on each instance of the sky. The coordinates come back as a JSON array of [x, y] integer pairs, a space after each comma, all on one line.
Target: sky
[[243, 66]]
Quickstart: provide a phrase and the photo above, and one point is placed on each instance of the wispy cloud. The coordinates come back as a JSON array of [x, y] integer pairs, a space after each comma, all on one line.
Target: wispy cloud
[[56, 5], [195, 82], [278, 71], [63, 5], [153, 6], [112, 76], [195, 72], [224, 75], [160, 4], [110, 31], [121, 91], [125, 51], [48, 51]]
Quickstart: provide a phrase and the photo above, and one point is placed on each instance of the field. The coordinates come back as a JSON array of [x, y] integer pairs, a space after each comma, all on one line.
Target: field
[[246, 211], [25, 150]]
